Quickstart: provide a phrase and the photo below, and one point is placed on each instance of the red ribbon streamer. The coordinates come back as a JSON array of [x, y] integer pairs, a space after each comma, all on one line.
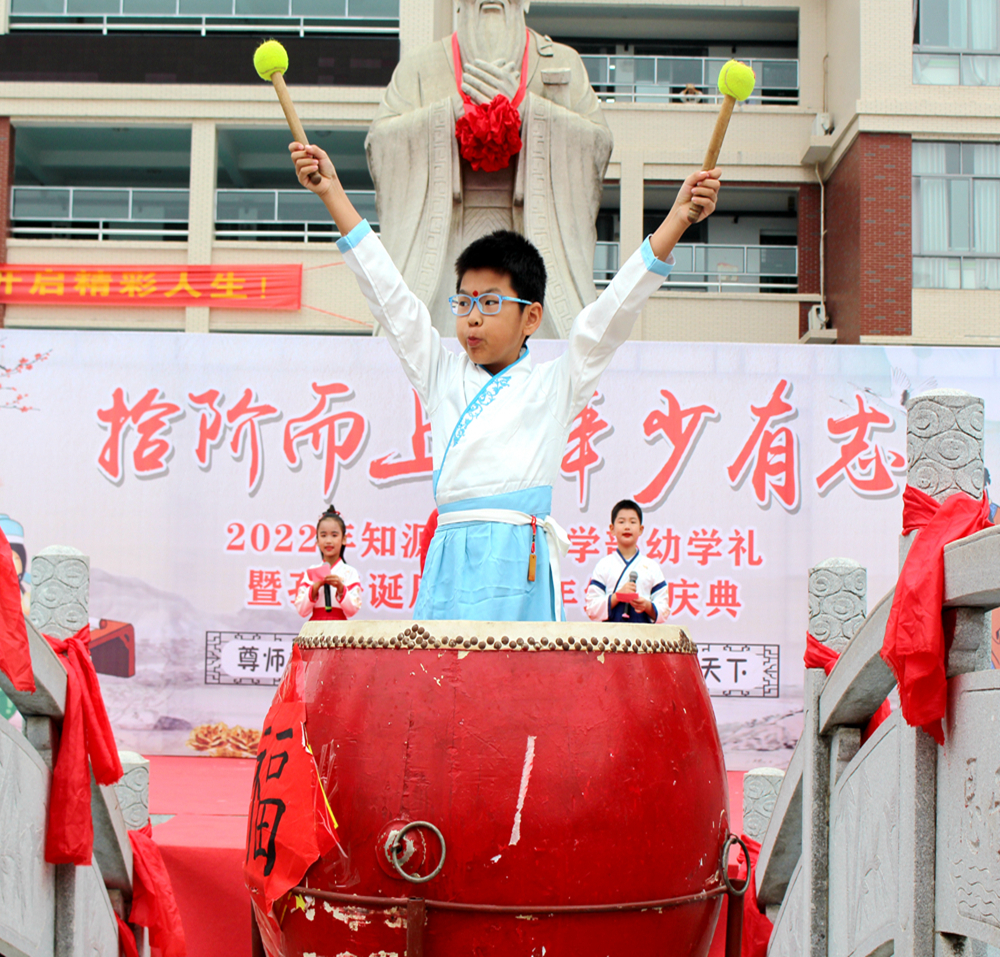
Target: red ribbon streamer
[[126, 940], [756, 926], [15, 655], [914, 646], [819, 655], [490, 134], [86, 731], [153, 902]]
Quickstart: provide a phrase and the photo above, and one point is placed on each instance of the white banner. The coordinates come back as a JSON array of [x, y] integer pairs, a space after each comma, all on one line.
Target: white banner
[[192, 469]]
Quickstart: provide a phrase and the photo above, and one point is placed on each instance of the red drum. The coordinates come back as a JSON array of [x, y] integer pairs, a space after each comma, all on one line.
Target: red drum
[[570, 776]]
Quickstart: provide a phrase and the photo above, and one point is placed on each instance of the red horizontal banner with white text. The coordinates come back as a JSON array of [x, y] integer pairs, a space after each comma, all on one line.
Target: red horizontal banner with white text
[[220, 287]]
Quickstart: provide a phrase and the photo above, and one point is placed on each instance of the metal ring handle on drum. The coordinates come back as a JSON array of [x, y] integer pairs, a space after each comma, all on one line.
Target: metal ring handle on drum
[[397, 848], [724, 866]]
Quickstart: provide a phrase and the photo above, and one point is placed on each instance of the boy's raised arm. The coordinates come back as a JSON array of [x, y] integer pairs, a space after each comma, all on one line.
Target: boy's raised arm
[[701, 190], [311, 159], [404, 319], [606, 323]]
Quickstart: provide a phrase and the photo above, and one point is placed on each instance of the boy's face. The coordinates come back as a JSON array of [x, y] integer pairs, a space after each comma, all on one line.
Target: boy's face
[[494, 342], [627, 529]]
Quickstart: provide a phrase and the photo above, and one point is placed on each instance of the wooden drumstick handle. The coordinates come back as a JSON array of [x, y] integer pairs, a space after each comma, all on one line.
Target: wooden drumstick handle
[[288, 107], [715, 146]]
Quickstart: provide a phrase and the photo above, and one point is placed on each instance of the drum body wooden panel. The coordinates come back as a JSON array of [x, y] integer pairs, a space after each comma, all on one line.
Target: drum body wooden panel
[[556, 778]]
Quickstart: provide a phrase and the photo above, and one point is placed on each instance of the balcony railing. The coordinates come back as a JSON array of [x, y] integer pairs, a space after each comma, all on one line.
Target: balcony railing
[[723, 268], [950, 68], [283, 215], [710, 267], [77, 212], [956, 272], [658, 79], [605, 262], [286, 16]]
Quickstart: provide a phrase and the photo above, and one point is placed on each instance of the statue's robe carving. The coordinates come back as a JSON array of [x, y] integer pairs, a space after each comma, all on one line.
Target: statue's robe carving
[[432, 204]]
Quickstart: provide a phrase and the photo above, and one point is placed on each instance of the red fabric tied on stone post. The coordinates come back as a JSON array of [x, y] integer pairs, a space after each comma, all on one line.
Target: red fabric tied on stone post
[[15, 655], [819, 655], [86, 732], [126, 940], [489, 134], [914, 646], [756, 926], [153, 903]]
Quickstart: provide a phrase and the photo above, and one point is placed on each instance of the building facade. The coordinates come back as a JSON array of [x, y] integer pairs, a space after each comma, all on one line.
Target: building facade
[[862, 199]]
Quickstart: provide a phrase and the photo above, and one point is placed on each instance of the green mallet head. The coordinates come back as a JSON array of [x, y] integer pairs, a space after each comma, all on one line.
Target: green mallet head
[[736, 79], [270, 58]]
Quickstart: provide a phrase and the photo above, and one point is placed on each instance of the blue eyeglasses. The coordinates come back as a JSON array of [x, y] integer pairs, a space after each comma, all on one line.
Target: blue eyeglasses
[[488, 303]]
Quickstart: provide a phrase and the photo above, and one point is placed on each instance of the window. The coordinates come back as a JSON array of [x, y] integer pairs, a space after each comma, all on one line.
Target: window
[[957, 42], [956, 215]]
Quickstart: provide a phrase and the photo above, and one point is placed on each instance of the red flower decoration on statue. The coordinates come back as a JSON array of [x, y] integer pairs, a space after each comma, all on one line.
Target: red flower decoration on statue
[[489, 135]]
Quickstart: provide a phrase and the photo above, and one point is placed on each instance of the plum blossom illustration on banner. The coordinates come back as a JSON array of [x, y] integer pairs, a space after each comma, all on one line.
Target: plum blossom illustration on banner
[[11, 396], [770, 455]]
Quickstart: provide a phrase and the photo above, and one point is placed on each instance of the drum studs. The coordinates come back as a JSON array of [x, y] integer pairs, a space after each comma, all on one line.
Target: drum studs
[[419, 637]]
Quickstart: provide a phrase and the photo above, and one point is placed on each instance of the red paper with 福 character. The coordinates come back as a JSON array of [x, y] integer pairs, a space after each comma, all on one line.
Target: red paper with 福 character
[[290, 823]]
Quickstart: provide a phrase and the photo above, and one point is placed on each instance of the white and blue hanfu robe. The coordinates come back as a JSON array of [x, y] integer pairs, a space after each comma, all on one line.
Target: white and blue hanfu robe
[[611, 573], [498, 439]]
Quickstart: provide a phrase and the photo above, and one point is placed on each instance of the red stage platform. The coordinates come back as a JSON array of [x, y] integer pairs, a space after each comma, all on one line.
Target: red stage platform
[[203, 846]]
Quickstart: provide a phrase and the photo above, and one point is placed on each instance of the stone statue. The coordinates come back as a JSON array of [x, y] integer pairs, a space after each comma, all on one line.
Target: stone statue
[[432, 203]]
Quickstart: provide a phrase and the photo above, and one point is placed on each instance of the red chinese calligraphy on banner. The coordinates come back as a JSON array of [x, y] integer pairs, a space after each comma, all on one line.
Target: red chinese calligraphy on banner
[[151, 420], [337, 436], [581, 458], [220, 287], [393, 467], [681, 428], [773, 452], [865, 463]]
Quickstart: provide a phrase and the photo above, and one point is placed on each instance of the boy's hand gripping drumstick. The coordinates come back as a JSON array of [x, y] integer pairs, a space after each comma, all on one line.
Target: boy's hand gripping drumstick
[[736, 82], [271, 62]]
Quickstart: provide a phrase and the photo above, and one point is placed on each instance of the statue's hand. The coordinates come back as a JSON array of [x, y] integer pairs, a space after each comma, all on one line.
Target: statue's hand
[[482, 80]]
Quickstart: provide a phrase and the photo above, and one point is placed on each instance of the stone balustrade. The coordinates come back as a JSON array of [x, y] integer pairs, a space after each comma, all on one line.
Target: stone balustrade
[[61, 910], [889, 847]]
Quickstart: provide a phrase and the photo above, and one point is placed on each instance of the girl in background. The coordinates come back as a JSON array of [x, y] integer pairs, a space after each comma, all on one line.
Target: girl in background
[[333, 592]]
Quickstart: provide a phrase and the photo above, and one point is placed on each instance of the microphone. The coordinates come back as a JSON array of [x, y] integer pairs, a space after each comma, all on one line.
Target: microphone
[[327, 598], [633, 577]]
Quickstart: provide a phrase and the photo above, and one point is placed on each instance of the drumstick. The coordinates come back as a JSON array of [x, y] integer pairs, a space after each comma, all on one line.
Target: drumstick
[[736, 82], [271, 62]]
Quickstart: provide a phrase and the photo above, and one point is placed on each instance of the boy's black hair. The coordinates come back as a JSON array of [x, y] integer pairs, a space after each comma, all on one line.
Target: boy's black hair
[[626, 504], [506, 252]]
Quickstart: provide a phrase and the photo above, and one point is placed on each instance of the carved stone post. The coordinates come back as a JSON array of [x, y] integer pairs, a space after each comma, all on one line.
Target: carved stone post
[[60, 603], [760, 792], [944, 448], [133, 789], [944, 443], [838, 601]]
